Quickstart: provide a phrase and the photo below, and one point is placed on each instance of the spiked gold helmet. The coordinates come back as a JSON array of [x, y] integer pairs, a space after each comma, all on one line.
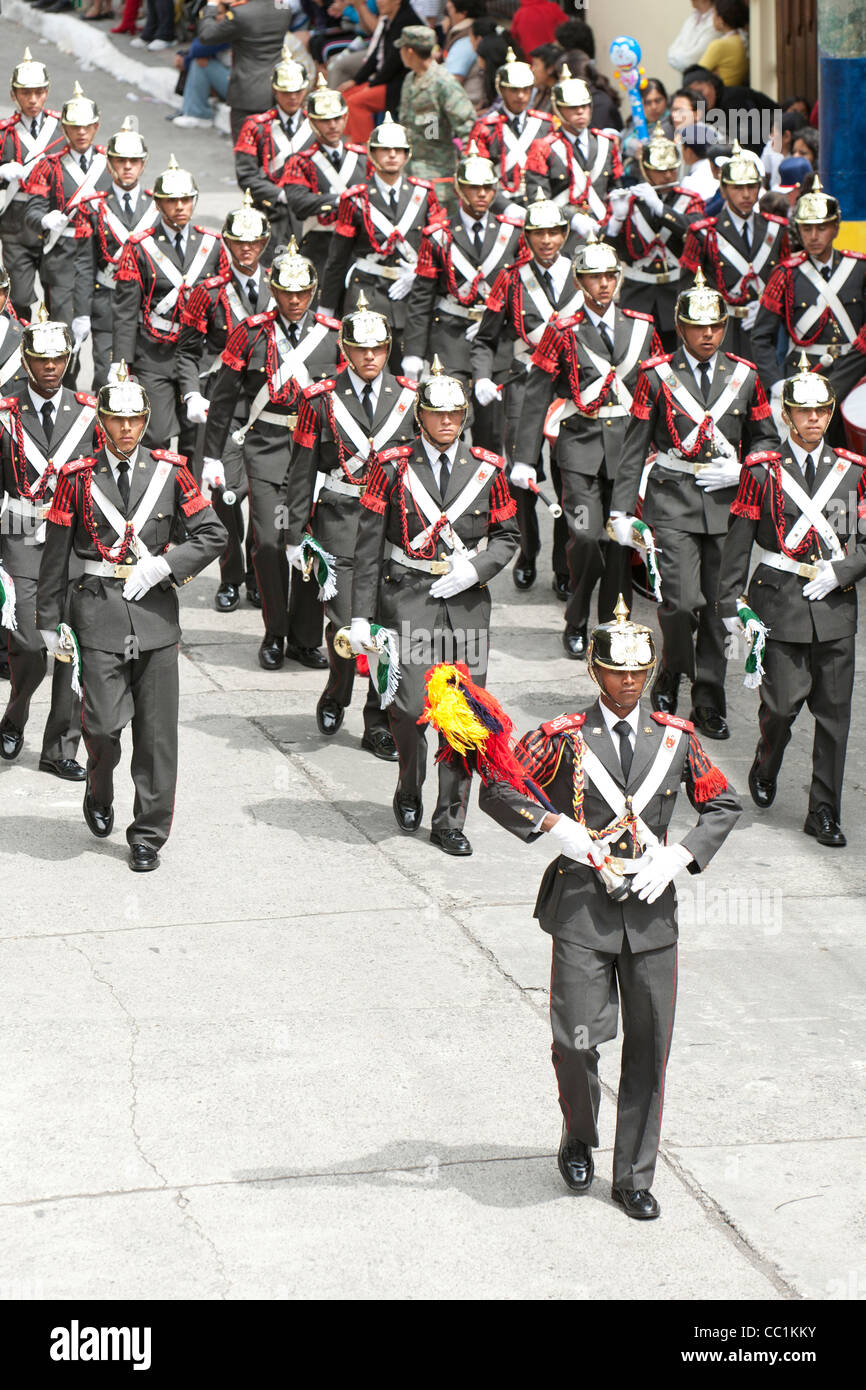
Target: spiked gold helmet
[[569, 91], [246, 223], [816, 207], [440, 393], [740, 168], [513, 73], [701, 304], [79, 109], [127, 143], [807, 390], [122, 396], [388, 135], [476, 169], [594, 258], [175, 182], [364, 327], [660, 153], [621, 645], [30, 72], [289, 76], [45, 337], [542, 214], [293, 272], [324, 103]]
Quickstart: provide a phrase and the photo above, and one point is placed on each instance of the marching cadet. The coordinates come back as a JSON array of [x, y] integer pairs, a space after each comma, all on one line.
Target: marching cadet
[[267, 361], [42, 426], [122, 211], [574, 165], [11, 367], [590, 360], [458, 263], [613, 773], [117, 513], [648, 226], [267, 140], [439, 496], [817, 295], [702, 410], [211, 314], [58, 193], [505, 136], [524, 298], [157, 269], [26, 136], [314, 179], [344, 424], [378, 232], [738, 250], [793, 510]]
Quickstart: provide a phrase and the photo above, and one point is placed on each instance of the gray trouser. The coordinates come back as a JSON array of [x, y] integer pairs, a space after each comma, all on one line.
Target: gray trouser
[[689, 568], [28, 662], [298, 617], [341, 677], [144, 691], [584, 988], [591, 555]]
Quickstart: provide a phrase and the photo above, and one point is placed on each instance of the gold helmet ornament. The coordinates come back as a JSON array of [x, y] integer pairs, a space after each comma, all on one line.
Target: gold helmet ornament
[[127, 143], [45, 337], [30, 72], [542, 214], [292, 272], [739, 168], [595, 258], [122, 396], [476, 169], [701, 304], [289, 75], [175, 182], [621, 645], [660, 153], [816, 206], [513, 73], [79, 109], [246, 223], [364, 327], [569, 91], [807, 390], [388, 135], [441, 394], [324, 103]]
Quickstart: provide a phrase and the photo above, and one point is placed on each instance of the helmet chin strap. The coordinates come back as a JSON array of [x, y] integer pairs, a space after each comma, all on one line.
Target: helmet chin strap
[[435, 443], [117, 449]]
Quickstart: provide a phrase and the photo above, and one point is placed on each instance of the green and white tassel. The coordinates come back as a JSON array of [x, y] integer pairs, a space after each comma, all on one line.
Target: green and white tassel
[[70, 651], [322, 565], [645, 542], [384, 663], [7, 601], [756, 638]]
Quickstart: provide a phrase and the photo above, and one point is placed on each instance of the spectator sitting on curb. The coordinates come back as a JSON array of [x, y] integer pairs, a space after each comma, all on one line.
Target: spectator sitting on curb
[[207, 70]]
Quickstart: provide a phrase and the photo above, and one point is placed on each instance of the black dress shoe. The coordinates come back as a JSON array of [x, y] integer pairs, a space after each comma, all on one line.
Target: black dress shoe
[[523, 573], [143, 858], [329, 716], [574, 641], [271, 653], [665, 692], [100, 819], [562, 587], [451, 842], [253, 595], [640, 1204], [380, 743], [575, 1163], [307, 656], [762, 789], [824, 826], [227, 598], [11, 741], [710, 722], [67, 768], [408, 811]]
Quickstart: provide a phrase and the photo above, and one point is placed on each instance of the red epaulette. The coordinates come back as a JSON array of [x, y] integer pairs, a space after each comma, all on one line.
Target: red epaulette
[[355, 188], [673, 720], [137, 237], [99, 149], [85, 398], [745, 361], [439, 224], [398, 451], [328, 322], [255, 319], [563, 722], [571, 321], [316, 388], [406, 383], [419, 183], [213, 280], [637, 314], [148, 192], [10, 120], [487, 455], [657, 361], [9, 403], [855, 255], [702, 224], [542, 115], [772, 217], [791, 261], [205, 231], [762, 456], [597, 130], [168, 456], [78, 465], [509, 221], [264, 116], [55, 114], [851, 457]]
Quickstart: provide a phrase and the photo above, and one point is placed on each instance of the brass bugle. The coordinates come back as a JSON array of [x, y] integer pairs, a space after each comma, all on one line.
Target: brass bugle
[[342, 645]]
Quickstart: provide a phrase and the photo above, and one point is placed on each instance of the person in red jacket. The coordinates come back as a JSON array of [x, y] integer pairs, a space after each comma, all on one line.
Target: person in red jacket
[[535, 22]]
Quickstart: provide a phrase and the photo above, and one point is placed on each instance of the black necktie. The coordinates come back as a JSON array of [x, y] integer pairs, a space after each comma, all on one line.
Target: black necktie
[[289, 126], [704, 370], [335, 158], [48, 420], [127, 205], [252, 294], [178, 245], [34, 127], [625, 749], [581, 157], [827, 272], [604, 333], [293, 334], [476, 238], [809, 472], [547, 285], [516, 126], [367, 402], [123, 480], [444, 474], [392, 201], [82, 160], [747, 240]]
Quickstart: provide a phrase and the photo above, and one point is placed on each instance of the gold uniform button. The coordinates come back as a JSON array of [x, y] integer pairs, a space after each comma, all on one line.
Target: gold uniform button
[[623, 844]]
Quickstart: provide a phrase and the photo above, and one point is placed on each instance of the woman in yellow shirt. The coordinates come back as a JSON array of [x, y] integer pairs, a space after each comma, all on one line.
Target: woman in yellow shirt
[[727, 55]]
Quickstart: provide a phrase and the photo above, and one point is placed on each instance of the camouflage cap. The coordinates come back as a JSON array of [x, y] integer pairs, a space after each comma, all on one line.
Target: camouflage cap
[[417, 36]]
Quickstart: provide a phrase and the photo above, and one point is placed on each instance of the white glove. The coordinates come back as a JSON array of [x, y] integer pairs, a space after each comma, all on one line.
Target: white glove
[[647, 195], [824, 584], [112, 373], [212, 474], [657, 870], [295, 557], [472, 331], [413, 367], [747, 322], [149, 571], [619, 199], [485, 390], [734, 626], [12, 170], [281, 196], [522, 475], [360, 636], [51, 640], [54, 219], [718, 475], [197, 407], [462, 575], [622, 525], [575, 841], [515, 212], [403, 284], [583, 224], [80, 328]]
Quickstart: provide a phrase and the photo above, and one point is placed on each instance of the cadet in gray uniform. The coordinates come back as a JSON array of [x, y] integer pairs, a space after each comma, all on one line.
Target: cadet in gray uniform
[[573, 165], [612, 773], [793, 510], [268, 139], [11, 369], [118, 513], [257, 33], [314, 180], [25, 137]]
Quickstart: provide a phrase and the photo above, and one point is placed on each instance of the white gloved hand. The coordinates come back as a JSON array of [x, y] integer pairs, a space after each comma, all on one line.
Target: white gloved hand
[[522, 475], [583, 224], [747, 322], [212, 474], [12, 170], [53, 219], [657, 869], [295, 557], [112, 373], [515, 212], [197, 407], [403, 284], [472, 331], [462, 575], [51, 640], [717, 475], [485, 390], [360, 636], [281, 196], [149, 571], [575, 841], [621, 525], [646, 194], [80, 328], [823, 584], [734, 626], [618, 200], [412, 367]]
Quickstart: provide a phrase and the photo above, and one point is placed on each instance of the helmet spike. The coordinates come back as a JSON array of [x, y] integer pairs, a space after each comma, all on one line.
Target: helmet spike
[[362, 301], [436, 368]]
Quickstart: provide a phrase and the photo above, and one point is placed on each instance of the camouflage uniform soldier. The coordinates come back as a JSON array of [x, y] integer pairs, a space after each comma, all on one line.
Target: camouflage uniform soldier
[[434, 109]]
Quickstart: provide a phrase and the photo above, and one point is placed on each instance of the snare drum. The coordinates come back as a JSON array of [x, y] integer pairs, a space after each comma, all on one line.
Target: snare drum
[[854, 418]]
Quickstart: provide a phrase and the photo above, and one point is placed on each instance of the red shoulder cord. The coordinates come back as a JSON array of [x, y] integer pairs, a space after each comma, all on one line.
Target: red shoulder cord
[[120, 552], [719, 271], [18, 454], [290, 392], [428, 550], [705, 429], [358, 480], [789, 317], [777, 511], [451, 280], [510, 182], [569, 342]]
